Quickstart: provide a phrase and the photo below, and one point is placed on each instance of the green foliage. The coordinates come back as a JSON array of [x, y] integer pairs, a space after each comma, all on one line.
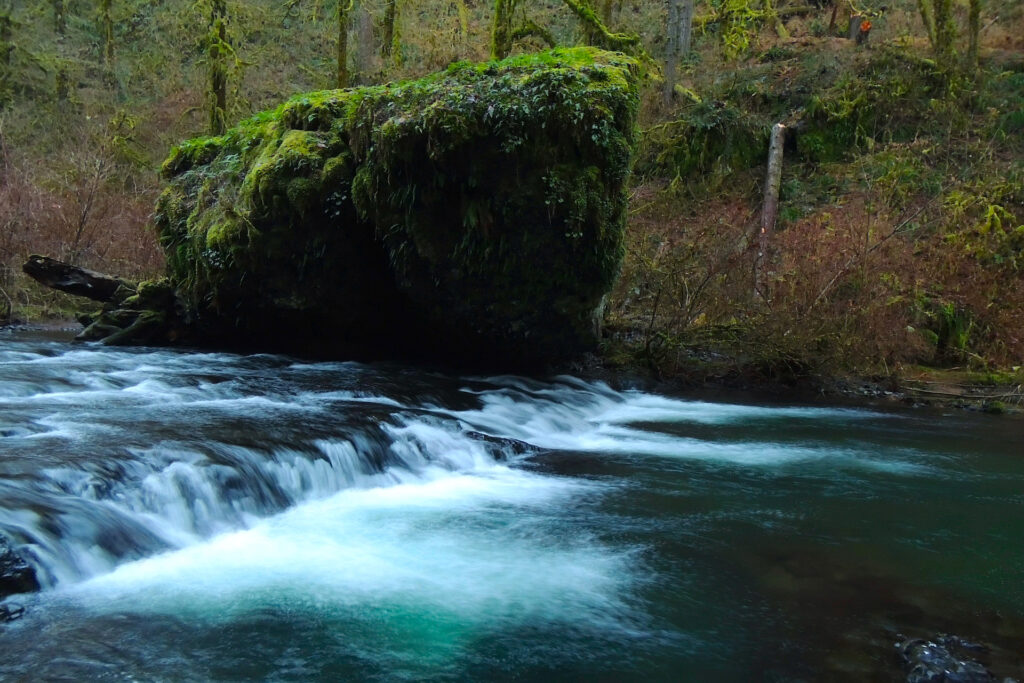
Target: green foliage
[[890, 97], [708, 137], [738, 23]]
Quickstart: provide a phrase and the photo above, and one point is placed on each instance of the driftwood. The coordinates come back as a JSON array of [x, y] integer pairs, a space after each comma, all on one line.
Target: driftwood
[[72, 279]]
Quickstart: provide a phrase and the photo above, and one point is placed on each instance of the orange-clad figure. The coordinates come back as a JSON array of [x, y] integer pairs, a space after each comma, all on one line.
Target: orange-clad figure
[[865, 29]]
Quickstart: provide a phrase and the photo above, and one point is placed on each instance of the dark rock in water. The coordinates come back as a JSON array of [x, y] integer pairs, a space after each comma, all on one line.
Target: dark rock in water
[[10, 612], [945, 659], [502, 447], [476, 214], [16, 575]]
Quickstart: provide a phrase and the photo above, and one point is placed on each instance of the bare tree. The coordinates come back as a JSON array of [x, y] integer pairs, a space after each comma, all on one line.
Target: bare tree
[[672, 48]]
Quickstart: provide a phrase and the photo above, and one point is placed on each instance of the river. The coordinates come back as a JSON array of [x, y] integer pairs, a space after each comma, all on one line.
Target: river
[[208, 516]]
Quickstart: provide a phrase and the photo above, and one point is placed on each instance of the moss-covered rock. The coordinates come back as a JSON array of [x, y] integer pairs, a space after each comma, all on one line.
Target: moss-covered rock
[[476, 211]]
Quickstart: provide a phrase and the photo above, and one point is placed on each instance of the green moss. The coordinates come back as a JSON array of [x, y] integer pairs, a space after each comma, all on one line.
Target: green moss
[[711, 137], [494, 194], [191, 153], [890, 97]]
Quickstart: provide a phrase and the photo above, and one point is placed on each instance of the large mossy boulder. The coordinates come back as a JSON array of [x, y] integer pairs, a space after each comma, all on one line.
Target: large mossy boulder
[[475, 214]]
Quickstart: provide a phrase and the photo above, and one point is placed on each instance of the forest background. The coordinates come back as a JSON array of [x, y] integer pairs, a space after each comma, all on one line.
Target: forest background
[[897, 253]]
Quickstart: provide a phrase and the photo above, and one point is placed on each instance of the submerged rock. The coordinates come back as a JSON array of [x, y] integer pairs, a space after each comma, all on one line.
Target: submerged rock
[[945, 659], [477, 213], [11, 612], [16, 575]]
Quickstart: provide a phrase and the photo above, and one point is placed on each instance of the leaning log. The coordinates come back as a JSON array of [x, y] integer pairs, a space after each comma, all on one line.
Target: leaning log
[[73, 279]]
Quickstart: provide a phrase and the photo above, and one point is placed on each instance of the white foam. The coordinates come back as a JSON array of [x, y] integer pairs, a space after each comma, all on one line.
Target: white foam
[[479, 549]]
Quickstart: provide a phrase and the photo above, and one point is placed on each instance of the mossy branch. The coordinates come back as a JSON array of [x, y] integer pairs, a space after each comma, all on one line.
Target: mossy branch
[[623, 42], [702, 22], [531, 28]]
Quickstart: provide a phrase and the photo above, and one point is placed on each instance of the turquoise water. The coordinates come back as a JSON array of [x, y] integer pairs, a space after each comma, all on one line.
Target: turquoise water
[[200, 516]]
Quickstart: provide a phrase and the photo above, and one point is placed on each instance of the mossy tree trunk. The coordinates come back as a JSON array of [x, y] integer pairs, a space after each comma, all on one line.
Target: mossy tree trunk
[[927, 18], [344, 11], [945, 32], [937, 17], [388, 32], [501, 29], [463, 11], [60, 19], [6, 52], [107, 31], [60, 25], [589, 30], [974, 28], [218, 52]]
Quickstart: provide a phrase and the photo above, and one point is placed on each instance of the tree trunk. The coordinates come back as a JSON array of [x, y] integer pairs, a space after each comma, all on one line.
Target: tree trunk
[[72, 279], [672, 34], [6, 54], [589, 32], [344, 7], [945, 33], [388, 33], [501, 29], [463, 11], [854, 27], [107, 31], [60, 25], [60, 20], [685, 27], [974, 27], [770, 208], [218, 50], [928, 18]]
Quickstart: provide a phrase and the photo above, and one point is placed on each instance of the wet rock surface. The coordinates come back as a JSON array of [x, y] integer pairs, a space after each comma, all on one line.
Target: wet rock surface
[[944, 659], [11, 612], [16, 575]]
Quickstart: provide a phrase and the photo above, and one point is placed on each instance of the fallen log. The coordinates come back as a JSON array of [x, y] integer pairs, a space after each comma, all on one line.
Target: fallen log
[[74, 280]]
